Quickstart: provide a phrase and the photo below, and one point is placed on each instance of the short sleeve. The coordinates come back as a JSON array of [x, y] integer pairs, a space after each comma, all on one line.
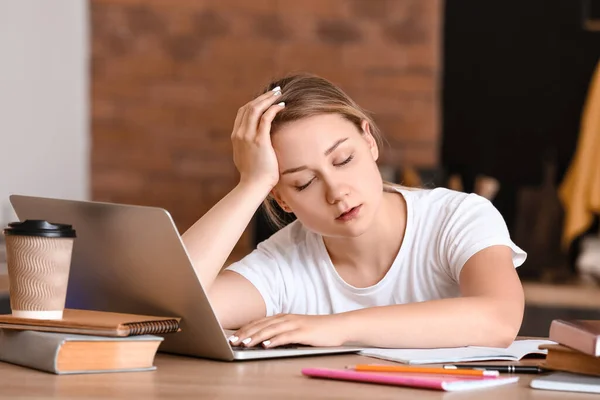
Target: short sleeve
[[263, 269], [472, 226]]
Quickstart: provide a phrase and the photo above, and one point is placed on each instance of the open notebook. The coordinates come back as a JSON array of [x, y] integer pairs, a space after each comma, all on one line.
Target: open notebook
[[516, 351]]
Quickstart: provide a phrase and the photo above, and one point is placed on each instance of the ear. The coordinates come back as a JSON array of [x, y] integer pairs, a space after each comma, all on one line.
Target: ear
[[368, 136], [282, 204]]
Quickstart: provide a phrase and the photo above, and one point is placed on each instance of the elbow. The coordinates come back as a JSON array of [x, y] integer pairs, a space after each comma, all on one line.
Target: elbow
[[502, 339], [498, 334], [501, 329]]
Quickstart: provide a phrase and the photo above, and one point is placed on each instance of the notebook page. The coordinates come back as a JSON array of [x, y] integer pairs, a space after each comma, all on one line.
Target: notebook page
[[514, 352], [521, 348]]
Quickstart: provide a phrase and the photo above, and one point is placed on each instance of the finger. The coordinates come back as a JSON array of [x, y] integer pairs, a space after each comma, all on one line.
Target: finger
[[241, 334], [244, 109], [254, 110], [268, 332], [238, 121], [249, 330], [292, 336], [276, 91], [264, 126], [253, 113], [239, 337]]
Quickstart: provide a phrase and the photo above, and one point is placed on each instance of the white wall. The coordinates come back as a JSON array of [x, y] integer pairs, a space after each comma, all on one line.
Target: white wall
[[44, 123]]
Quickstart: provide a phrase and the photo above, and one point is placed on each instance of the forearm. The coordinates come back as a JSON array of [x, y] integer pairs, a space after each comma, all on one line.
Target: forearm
[[212, 238], [464, 321]]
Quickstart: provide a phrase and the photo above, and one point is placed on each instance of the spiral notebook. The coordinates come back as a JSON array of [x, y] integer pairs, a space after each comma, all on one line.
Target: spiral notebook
[[100, 323]]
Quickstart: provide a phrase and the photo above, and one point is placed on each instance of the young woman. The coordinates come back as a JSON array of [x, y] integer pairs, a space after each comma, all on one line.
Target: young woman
[[366, 261]]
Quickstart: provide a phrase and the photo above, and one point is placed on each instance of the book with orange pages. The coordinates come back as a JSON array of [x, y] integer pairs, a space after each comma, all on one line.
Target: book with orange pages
[[563, 358], [61, 353]]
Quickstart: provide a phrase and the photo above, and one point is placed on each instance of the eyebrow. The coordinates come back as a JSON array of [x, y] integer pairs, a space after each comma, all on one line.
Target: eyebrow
[[327, 152]]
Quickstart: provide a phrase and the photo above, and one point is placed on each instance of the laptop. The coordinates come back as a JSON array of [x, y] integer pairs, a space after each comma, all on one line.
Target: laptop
[[131, 259]]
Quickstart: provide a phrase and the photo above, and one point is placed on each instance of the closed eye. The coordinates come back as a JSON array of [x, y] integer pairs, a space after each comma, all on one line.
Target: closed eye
[[301, 188], [346, 161]]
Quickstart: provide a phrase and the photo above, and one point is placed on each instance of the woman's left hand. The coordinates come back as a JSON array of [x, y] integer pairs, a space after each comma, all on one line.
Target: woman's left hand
[[281, 329]]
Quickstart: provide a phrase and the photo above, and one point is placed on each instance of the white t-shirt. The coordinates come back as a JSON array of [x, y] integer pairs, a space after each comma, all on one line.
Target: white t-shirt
[[294, 274]]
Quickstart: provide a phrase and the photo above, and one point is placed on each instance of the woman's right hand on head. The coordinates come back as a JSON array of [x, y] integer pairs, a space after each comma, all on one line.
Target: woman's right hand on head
[[253, 152]]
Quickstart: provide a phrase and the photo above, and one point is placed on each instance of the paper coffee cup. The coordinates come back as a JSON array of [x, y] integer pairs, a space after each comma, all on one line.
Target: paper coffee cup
[[38, 257]]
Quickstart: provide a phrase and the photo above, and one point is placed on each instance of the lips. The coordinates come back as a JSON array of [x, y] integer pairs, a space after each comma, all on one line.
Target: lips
[[346, 212], [349, 214]]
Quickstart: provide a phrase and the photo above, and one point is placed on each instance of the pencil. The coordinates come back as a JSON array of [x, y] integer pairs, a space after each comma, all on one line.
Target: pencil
[[422, 370]]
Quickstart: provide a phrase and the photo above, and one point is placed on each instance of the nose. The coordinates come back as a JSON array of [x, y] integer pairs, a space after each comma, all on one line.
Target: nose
[[336, 192]]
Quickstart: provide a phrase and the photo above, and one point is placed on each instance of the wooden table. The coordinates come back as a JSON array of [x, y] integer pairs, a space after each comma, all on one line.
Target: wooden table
[[185, 377]]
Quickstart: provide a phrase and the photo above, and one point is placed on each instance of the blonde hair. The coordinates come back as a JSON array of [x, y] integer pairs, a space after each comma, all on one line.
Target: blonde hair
[[307, 95]]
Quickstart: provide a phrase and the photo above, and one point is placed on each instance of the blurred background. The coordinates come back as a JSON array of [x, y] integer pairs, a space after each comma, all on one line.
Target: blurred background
[[133, 101]]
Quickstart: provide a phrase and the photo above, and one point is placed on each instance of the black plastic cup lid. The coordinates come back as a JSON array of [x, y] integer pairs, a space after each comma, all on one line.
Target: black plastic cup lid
[[36, 227]]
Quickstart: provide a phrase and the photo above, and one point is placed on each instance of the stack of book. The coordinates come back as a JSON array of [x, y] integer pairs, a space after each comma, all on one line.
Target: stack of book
[[84, 341], [576, 355]]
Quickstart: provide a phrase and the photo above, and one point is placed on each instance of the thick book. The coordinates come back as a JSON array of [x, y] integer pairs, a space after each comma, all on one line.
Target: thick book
[[567, 382], [62, 353], [563, 358], [582, 335], [450, 383], [99, 323]]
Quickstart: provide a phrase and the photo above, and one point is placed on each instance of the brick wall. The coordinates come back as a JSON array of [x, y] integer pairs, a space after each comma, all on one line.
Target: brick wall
[[169, 75]]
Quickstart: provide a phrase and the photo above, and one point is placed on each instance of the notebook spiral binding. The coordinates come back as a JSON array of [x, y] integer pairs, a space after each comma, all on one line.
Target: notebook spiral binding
[[153, 327]]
